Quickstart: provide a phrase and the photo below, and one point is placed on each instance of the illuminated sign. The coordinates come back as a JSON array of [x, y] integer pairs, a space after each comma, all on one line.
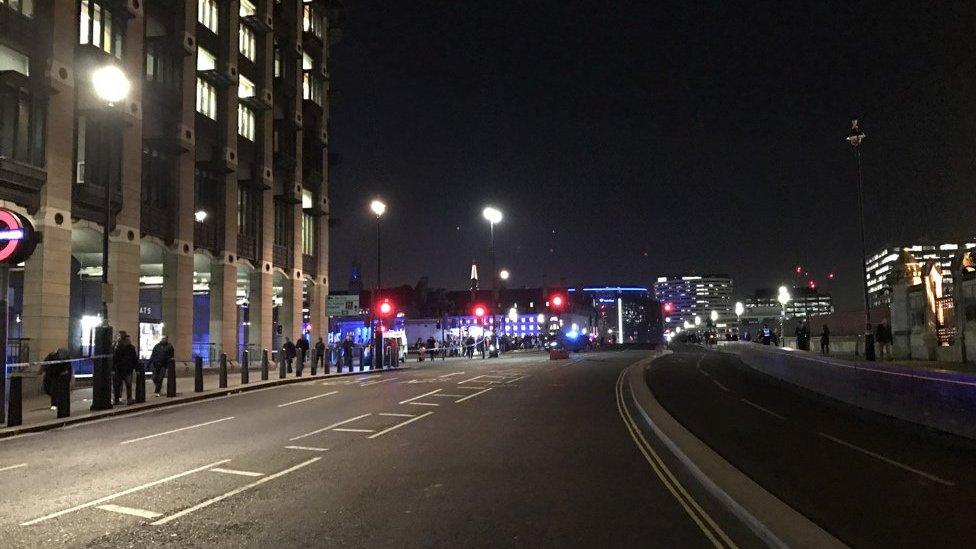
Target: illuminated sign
[[17, 237]]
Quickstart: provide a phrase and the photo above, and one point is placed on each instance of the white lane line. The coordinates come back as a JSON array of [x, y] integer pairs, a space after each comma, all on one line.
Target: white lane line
[[309, 448], [124, 493], [472, 379], [473, 387], [448, 395], [391, 414], [345, 430], [472, 395], [9, 467], [516, 379], [307, 399], [720, 386], [377, 382], [398, 425], [888, 460], [451, 374], [364, 378], [236, 472], [334, 425], [423, 403], [762, 409], [234, 492], [419, 396], [147, 437], [129, 511]]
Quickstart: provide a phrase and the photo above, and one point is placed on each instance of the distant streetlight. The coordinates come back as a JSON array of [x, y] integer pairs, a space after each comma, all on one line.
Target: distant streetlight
[[200, 216], [493, 216], [855, 137], [739, 309], [714, 316], [378, 207], [783, 298], [513, 314], [697, 320], [504, 274]]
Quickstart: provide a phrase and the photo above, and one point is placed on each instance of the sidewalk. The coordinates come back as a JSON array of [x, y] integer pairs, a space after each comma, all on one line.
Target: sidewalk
[[38, 416]]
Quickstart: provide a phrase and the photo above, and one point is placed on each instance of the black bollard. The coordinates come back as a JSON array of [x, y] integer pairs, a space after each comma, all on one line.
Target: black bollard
[[264, 365], [171, 379], [15, 403], [140, 385], [62, 399], [245, 363], [315, 358], [222, 374], [281, 365], [362, 356], [198, 374], [102, 370], [301, 363]]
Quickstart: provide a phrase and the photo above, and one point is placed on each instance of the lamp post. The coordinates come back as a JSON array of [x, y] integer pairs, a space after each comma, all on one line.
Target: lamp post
[[739, 309], [493, 216], [110, 86], [783, 298], [855, 137], [378, 207]]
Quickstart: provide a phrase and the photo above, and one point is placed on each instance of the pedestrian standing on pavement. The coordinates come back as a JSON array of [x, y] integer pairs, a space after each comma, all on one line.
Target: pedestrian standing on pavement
[[288, 351], [346, 354], [55, 372], [825, 340], [162, 353], [432, 347], [320, 355], [302, 344], [882, 334], [124, 362], [469, 347]]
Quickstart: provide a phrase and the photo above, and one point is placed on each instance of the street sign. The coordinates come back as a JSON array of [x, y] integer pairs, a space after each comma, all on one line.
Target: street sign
[[17, 237], [343, 305]]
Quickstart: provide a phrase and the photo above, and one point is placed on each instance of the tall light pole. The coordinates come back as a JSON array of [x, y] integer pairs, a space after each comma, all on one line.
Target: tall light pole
[[110, 86], [493, 216], [783, 298], [739, 309], [378, 207], [855, 137]]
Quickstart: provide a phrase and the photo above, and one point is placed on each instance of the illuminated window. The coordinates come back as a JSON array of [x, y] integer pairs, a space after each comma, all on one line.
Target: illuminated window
[[206, 61], [308, 234], [95, 27], [245, 123], [24, 7], [207, 14], [248, 8], [307, 62], [312, 88], [245, 88], [277, 62], [13, 60], [206, 99], [248, 43], [312, 21]]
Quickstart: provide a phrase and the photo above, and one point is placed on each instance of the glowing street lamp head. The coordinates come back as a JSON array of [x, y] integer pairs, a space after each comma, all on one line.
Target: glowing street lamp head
[[739, 308], [504, 274], [110, 83], [493, 215], [714, 315], [784, 296], [697, 320], [200, 216], [378, 207]]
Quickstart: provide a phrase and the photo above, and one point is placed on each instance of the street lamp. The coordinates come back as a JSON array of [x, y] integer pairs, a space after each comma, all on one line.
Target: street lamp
[[111, 86], [855, 137], [504, 274], [493, 216], [200, 216], [739, 309], [783, 298], [378, 207], [714, 316]]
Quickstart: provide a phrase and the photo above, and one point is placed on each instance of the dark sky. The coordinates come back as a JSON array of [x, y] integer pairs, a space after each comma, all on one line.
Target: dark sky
[[624, 140]]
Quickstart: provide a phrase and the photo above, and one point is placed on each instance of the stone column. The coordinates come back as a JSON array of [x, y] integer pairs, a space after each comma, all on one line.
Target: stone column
[[47, 289], [177, 300], [290, 314]]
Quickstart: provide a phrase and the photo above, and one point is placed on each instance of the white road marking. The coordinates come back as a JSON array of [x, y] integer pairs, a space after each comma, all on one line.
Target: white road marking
[[720, 386], [398, 425], [377, 381], [130, 511], [334, 425], [472, 379], [888, 460], [419, 396], [236, 472], [309, 448], [234, 492], [472, 395], [124, 493], [516, 379], [9, 467], [451, 374], [364, 378], [130, 441], [307, 399], [345, 430], [762, 409], [447, 395], [473, 387], [423, 403], [391, 414]]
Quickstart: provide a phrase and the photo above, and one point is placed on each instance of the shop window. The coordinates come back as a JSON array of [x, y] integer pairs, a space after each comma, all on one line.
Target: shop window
[[207, 14], [206, 99]]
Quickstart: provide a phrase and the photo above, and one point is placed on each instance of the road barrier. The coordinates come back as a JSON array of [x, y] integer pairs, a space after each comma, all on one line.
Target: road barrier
[[281, 366], [300, 365], [264, 365], [245, 364], [222, 377], [170, 378], [140, 386], [15, 415], [198, 374]]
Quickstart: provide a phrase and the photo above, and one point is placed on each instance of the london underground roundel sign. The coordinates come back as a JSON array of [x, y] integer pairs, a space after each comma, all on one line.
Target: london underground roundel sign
[[17, 237]]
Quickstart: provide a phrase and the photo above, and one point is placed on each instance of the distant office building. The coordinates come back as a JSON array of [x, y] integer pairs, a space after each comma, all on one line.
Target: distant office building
[[685, 297], [803, 302], [630, 309], [881, 266]]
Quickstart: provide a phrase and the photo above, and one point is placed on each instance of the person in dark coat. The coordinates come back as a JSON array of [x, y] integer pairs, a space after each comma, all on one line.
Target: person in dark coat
[[346, 354], [825, 340], [288, 350], [320, 355], [162, 353], [882, 335], [124, 362], [469, 347], [302, 344], [55, 373]]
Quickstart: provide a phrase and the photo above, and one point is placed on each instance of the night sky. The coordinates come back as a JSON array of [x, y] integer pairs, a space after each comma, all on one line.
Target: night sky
[[624, 140]]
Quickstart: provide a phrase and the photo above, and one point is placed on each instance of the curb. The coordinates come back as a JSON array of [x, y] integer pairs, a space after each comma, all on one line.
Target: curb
[[773, 521], [171, 401]]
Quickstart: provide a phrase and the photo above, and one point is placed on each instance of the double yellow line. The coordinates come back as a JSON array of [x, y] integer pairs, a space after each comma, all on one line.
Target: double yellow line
[[712, 531]]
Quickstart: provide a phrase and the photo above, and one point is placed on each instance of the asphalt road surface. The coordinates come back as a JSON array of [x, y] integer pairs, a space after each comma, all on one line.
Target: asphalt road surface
[[868, 480], [513, 452]]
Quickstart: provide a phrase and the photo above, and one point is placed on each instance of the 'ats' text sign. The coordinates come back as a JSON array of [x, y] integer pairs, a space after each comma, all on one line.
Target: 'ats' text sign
[[17, 238]]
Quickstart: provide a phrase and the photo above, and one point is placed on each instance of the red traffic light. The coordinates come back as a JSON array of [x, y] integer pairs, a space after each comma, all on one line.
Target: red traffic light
[[479, 311], [557, 301], [668, 307], [386, 307]]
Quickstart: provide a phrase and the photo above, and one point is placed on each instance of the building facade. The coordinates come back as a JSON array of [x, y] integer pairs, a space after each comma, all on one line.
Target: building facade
[[882, 264], [215, 165], [685, 297], [804, 302]]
